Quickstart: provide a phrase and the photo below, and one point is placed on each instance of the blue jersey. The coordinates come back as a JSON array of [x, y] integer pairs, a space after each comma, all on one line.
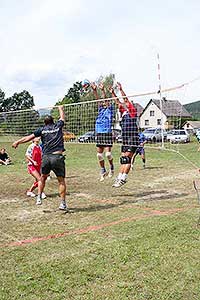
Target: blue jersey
[[104, 119], [142, 138]]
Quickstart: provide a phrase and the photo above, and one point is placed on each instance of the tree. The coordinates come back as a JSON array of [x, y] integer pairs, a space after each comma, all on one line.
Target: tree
[[2, 98], [18, 101], [12, 121]]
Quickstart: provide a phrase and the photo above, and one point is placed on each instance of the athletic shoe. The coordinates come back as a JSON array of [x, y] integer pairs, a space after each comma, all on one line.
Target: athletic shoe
[[38, 201], [43, 196], [111, 173], [63, 206], [118, 183], [103, 176], [30, 194]]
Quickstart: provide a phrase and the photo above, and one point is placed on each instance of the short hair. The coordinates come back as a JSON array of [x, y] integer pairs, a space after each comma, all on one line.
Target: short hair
[[48, 120]]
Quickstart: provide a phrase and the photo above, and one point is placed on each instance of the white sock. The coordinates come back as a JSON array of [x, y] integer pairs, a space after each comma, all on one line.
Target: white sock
[[119, 176], [124, 176]]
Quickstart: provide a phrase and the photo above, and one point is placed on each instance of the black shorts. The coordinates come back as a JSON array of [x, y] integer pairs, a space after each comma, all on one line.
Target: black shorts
[[126, 148], [55, 163], [104, 139]]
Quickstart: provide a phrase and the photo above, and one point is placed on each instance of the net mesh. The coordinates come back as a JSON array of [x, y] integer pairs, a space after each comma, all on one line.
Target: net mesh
[[159, 116]]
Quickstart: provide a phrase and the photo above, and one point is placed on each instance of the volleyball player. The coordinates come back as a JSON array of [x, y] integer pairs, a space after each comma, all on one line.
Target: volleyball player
[[129, 134], [140, 150], [103, 130], [34, 157]]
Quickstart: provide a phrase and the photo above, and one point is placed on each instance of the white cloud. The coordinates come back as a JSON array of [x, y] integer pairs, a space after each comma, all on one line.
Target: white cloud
[[47, 44]]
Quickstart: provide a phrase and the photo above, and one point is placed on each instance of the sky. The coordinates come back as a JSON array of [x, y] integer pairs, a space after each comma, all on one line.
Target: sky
[[47, 45]]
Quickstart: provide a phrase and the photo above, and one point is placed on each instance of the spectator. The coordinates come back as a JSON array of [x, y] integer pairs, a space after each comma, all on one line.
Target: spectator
[[4, 157]]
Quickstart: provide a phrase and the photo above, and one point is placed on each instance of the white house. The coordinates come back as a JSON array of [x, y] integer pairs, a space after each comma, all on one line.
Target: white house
[[191, 126], [162, 113]]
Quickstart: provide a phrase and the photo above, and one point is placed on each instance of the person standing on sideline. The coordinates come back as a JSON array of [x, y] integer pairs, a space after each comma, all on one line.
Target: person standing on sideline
[[34, 157], [140, 150], [103, 130], [53, 147], [129, 134]]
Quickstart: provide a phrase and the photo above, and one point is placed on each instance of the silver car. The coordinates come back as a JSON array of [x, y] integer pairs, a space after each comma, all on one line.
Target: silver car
[[155, 134], [178, 136]]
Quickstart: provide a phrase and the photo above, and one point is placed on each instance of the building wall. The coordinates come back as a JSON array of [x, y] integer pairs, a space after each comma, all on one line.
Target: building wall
[[150, 117]]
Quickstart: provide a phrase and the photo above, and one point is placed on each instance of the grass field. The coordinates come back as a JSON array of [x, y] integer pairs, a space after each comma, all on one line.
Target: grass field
[[138, 242]]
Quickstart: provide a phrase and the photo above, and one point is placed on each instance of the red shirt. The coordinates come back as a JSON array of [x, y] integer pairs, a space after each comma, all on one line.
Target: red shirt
[[35, 152], [129, 108]]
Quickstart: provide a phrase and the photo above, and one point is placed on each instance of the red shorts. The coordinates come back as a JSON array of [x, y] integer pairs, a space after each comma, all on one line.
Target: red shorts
[[32, 168]]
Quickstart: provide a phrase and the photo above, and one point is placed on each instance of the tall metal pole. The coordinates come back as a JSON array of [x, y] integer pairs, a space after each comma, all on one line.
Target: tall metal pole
[[160, 93]]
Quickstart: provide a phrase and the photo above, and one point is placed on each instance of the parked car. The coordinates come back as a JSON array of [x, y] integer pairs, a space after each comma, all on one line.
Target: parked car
[[178, 136], [68, 136], [88, 137], [154, 135]]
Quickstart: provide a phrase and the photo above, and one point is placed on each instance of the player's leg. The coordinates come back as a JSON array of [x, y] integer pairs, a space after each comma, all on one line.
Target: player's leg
[[133, 158], [36, 176], [109, 156], [58, 167], [125, 161], [143, 157], [100, 157], [62, 192], [45, 169]]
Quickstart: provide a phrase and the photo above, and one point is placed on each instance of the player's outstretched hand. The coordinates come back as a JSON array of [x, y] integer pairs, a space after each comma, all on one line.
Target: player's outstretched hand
[[111, 89], [119, 86], [93, 86], [15, 144], [101, 85]]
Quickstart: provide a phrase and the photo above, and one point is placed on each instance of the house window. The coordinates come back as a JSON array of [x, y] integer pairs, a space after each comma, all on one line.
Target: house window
[[152, 113], [146, 122], [158, 121]]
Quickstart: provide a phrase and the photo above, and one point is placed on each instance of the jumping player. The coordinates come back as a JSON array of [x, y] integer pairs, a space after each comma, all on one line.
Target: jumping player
[[104, 132], [53, 147], [140, 150], [129, 135], [34, 157]]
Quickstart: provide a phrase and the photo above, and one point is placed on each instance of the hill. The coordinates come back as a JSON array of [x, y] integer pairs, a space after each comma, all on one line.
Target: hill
[[194, 109]]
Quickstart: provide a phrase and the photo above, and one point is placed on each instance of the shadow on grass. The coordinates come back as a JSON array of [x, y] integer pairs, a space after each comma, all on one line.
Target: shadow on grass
[[163, 196], [151, 168]]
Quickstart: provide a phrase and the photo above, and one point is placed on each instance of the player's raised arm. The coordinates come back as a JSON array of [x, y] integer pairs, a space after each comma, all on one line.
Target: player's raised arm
[[61, 112], [122, 92], [116, 99], [94, 89], [129, 104], [102, 88], [23, 140]]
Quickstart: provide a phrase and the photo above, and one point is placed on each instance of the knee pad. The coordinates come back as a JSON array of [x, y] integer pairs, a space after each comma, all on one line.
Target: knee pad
[[100, 156], [108, 155], [124, 160]]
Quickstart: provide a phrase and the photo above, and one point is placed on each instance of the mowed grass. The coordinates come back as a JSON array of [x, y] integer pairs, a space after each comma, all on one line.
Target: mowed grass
[[138, 242]]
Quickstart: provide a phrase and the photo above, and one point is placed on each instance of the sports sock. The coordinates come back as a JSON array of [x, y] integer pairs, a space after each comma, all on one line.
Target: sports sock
[[103, 170], [124, 176], [119, 176]]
